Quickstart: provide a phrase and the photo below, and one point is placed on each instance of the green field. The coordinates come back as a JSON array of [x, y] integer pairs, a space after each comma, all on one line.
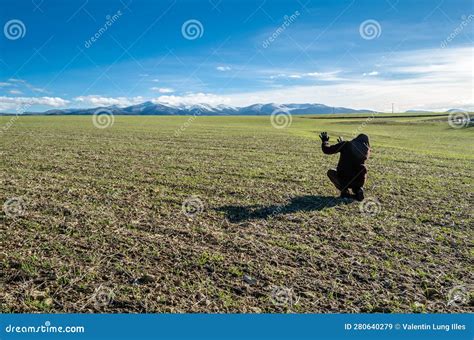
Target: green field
[[97, 223]]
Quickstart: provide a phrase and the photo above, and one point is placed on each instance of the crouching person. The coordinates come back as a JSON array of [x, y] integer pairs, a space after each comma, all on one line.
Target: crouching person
[[351, 172]]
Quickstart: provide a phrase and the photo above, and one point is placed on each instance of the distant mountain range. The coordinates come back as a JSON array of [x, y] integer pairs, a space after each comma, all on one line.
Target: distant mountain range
[[161, 109]]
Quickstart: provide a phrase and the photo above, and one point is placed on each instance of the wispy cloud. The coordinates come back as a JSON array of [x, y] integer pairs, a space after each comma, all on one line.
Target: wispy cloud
[[193, 98], [223, 68], [39, 90], [332, 75], [16, 80], [96, 100], [162, 89], [22, 84], [12, 102], [373, 73]]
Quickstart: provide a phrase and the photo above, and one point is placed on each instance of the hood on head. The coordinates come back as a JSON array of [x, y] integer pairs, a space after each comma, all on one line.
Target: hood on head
[[362, 138]]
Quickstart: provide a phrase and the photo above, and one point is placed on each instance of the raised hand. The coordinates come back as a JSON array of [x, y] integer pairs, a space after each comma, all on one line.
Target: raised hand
[[324, 137], [340, 139]]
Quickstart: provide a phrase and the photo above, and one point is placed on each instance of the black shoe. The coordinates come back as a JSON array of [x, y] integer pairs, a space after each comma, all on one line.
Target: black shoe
[[345, 194], [359, 195]]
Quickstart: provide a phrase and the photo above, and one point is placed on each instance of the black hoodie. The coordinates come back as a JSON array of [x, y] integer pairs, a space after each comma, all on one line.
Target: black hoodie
[[354, 153]]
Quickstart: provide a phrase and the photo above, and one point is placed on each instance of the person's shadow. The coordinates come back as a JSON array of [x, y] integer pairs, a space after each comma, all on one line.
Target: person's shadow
[[236, 213]]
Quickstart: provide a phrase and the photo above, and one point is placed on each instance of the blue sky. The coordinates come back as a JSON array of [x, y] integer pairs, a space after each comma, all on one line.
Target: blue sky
[[361, 54]]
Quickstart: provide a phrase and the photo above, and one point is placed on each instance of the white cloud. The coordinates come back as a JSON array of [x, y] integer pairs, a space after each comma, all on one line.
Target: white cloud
[[15, 80], [373, 73], [156, 80], [223, 68], [96, 100], [22, 84], [162, 89], [332, 75], [12, 102], [279, 75], [192, 98], [324, 75], [38, 89]]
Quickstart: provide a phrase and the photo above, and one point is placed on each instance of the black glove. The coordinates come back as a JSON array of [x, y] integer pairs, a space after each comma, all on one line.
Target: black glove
[[324, 137]]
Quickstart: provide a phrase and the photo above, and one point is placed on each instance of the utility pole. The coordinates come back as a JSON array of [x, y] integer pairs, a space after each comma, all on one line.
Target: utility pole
[[392, 108]]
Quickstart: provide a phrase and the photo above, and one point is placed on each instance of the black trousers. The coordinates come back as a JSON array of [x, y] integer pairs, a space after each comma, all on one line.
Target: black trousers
[[354, 182]]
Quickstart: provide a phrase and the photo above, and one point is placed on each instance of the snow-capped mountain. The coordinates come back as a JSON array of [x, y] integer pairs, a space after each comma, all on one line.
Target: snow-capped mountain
[[164, 109]]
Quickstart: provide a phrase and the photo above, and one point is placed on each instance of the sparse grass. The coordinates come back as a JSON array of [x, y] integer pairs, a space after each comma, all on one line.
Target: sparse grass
[[103, 208]]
